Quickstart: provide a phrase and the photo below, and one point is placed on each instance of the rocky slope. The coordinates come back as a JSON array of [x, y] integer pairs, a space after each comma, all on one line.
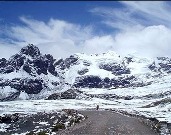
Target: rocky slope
[[27, 73], [40, 123], [32, 75]]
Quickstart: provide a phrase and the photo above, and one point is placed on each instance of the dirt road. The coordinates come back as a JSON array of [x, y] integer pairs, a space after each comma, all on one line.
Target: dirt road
[[108, 123]]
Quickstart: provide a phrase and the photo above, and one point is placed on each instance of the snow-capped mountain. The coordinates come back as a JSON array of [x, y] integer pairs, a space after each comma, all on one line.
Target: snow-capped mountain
[[27, 72], [136, 85], [32, 75]]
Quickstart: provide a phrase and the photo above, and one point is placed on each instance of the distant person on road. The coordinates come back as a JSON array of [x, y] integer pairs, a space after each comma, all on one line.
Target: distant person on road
[[97, 107]]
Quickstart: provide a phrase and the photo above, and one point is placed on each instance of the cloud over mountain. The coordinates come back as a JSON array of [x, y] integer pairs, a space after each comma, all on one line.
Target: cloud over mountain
[[143, 28]]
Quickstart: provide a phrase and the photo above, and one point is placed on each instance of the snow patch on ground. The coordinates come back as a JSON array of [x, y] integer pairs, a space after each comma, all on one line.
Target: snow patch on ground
[[6, 91], [135, 105], [23, 95], [3, 127]]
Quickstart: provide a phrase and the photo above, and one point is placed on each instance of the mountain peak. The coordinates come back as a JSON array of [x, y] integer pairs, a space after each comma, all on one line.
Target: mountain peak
[[30, 50]]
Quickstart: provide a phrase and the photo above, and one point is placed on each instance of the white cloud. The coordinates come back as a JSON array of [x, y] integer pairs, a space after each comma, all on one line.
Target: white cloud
[[61, 38], [151, 41], [98, 44], [57, 37], [153, 11], [115, 18], [7, 50], [144, 27], [135, 14], [39, 32]]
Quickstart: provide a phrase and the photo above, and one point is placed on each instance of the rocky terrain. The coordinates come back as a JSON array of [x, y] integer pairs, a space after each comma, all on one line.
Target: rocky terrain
[[29, 73], [108, 123], [40, 123], [32, 75]]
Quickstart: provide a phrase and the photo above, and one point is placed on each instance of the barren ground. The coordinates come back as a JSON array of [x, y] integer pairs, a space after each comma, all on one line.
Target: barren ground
[[108, 123]]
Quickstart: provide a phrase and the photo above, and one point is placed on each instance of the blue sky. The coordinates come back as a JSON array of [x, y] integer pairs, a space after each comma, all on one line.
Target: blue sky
[[71, 11], [62, 28]]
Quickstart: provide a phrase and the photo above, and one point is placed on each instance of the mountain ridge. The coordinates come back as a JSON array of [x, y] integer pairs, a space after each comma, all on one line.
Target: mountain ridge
[[40, 76]]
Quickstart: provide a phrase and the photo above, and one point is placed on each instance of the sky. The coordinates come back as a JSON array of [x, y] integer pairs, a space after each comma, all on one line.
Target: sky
[[61, 28]]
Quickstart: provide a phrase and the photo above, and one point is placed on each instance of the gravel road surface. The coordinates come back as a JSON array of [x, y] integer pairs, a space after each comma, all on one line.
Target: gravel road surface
[[108, 123]]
